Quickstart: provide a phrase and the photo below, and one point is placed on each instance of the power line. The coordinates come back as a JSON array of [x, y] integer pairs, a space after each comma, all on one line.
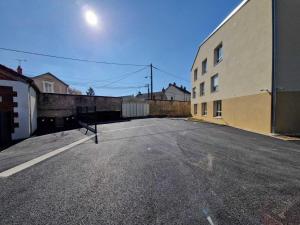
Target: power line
[[69, 58], [112, 79], [170, 74], [125, 76], [120, 87]]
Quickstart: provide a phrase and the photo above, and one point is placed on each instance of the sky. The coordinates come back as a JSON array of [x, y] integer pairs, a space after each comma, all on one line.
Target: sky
[[166, 33]]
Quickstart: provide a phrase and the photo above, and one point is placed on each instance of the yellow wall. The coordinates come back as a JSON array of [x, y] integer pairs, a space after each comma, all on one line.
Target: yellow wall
[[246, 68], [245, 73], [251, 113]]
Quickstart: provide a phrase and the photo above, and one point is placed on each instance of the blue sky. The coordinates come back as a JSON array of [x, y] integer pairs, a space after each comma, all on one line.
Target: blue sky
[[163, 32]]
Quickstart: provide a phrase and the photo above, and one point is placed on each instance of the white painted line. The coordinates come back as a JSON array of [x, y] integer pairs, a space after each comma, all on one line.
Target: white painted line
[[127, 128], [39, 159], [210, 220]]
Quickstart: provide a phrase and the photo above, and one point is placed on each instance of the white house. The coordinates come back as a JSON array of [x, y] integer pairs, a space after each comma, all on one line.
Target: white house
[[18, 105], [176, 93]]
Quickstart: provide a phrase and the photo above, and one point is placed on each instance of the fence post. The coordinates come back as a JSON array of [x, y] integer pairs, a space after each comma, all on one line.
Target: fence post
[[95, 118]]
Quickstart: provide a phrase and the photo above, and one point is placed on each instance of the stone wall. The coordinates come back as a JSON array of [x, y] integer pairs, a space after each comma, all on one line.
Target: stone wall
[[61, 105]]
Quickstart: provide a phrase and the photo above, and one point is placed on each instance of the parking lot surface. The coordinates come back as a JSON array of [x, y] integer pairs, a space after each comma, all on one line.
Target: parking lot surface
[[153, 171]]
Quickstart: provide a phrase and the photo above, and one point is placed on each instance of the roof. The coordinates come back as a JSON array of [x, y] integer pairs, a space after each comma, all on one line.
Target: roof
[[10, 74], [180, 89], [243, 3], [50, 74], [158, 94]]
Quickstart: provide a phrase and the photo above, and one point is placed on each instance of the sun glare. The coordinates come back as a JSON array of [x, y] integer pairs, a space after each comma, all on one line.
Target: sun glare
[[91, 18]]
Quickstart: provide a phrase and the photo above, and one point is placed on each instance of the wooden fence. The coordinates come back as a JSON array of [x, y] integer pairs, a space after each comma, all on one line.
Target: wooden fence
[[170, 108]]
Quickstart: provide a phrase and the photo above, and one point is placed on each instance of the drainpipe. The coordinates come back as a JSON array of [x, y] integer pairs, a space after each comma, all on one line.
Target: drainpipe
[[30, 120], [274, 55]]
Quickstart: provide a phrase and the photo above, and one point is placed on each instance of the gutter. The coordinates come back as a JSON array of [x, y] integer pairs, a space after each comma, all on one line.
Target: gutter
[[236, 10], [274, 54]]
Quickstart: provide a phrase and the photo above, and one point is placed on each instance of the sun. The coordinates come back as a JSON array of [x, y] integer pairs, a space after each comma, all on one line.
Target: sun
[[91, 18]]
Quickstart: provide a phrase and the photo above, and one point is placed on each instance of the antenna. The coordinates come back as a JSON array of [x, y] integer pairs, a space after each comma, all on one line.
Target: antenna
[[21, 60]]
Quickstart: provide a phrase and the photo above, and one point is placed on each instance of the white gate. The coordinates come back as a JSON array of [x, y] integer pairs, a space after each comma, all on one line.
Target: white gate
[[135, 109]]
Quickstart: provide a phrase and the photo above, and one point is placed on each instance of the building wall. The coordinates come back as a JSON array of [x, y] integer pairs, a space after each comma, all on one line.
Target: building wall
[[59, 105], [177, 95], [240, 118], [33, 109], [245, 73], [23, 131], [287, 66], [59, 87]]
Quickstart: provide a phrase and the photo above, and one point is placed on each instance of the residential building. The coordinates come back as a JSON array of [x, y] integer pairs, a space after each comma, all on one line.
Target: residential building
[[171, 93], [250, 69], [177, 93], [18, 105], [49, 83], [160, 95]]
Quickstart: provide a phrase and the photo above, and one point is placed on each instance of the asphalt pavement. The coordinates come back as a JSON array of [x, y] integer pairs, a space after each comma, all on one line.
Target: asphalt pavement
[[154, 171]]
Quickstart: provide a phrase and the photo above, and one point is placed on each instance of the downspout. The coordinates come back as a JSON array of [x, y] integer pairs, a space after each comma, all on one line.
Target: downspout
[[30, 119], [274, 54]]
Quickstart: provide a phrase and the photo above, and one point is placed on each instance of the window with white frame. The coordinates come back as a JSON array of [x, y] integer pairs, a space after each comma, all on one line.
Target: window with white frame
[[194, 92], [204, 109], [215, 83], [204, 66], [218, 108], [202, 86], [219, 54], [48, 87]]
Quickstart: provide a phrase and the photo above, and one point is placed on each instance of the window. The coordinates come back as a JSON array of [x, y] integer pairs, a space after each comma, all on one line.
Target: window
[[219, 54], [0, 99], [215, 83], [195, 74], [202, 89], [195, 108], [218, 108], [194, 92], [204, 66], [204, 109], [48, 87]]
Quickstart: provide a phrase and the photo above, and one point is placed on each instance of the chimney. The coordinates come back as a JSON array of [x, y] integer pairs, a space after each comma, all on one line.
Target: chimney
[[163, 90], [19, 70], [174, 84], [170, 84]]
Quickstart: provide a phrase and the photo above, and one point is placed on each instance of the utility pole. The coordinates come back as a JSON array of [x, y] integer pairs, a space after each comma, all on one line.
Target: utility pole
[[151, 76], [148, 91]]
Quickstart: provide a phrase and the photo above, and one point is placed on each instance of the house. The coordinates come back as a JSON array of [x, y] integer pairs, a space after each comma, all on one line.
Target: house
[[246, 72], [49, 83], [160, 95], [18, 105], [174, 92]]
